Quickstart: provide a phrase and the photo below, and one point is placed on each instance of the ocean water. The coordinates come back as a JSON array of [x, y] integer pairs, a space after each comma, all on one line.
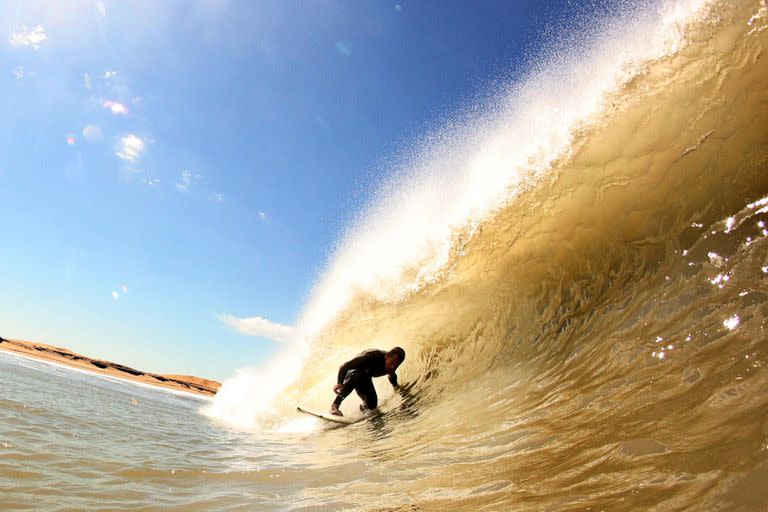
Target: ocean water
[[577, 269], [76, 441]]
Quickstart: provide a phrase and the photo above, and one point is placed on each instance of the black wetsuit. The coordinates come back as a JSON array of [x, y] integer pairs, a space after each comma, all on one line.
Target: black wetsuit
[[358, 373]]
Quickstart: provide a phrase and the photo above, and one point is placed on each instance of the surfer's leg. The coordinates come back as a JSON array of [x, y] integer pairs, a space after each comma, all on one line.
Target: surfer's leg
[[351, 381], [367, 392]]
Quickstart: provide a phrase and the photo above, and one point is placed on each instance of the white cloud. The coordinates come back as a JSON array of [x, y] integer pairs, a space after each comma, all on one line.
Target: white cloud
[[257, 326], [110, 74], [27, 37], [186, 180], [151, 182], [115, 107], [217, 197], [130, 148], [263, 216], [101, 8], [87, 80], [125, 288], [114, 295]]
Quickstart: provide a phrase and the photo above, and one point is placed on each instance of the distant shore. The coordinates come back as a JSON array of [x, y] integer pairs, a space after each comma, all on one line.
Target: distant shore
[[43, 352]]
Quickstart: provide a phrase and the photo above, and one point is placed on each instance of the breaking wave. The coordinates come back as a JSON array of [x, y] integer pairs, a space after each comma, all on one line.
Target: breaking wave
[[577, 271]]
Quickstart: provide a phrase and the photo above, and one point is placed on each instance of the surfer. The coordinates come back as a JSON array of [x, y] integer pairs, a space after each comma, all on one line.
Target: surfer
[[358, 373]]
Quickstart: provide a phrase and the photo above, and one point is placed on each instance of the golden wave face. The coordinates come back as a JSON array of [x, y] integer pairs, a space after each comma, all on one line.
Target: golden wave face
[[682, 144], [602, 327]]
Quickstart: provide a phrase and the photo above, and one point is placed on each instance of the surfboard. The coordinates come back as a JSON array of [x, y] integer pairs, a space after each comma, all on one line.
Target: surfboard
[[343, 420]]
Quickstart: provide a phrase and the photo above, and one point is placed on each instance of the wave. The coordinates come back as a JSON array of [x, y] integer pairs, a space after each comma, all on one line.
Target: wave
[[547, 258]]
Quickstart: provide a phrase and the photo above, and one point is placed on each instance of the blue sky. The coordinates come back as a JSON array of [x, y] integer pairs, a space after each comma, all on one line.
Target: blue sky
[[168, 166]]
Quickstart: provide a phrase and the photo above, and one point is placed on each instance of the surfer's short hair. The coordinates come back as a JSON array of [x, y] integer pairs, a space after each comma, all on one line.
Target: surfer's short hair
[[399, 352]]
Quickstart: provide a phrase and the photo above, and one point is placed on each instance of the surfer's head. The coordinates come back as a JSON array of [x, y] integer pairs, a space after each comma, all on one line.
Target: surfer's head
[[393, 358]]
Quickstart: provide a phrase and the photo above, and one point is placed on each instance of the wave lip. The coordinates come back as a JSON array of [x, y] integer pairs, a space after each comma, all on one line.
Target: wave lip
[[458, 176]]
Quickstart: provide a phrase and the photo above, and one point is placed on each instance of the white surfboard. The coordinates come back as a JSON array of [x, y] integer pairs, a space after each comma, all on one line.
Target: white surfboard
[[344, 420]]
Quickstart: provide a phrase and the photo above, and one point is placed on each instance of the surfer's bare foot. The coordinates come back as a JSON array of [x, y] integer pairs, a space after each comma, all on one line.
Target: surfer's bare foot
[[335, 410]]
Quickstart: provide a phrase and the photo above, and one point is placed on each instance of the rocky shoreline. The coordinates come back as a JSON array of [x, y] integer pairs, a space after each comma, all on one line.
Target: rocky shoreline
[[66, 357]]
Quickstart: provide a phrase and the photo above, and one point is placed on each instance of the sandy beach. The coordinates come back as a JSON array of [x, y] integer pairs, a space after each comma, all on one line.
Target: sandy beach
[[44, 352]]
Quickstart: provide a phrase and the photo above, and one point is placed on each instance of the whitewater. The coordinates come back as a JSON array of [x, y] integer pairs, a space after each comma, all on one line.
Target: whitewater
[[577, 267]]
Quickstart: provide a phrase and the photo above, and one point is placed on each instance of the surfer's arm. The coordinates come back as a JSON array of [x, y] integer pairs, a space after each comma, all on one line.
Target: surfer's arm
[[393, 380], [358, 363], [343, 369]]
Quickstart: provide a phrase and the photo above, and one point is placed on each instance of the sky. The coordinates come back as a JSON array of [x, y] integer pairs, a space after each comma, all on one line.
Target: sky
[[174, 176]]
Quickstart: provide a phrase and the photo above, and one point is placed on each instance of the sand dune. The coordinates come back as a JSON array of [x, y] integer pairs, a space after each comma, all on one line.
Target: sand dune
[[60, 355]]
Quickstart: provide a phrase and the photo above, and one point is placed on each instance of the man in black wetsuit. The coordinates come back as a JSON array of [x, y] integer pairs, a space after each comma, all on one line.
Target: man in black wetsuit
[[358, 373]]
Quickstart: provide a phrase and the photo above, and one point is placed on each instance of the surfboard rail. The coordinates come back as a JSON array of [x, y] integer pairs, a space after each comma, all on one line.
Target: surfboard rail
[[343, 420]]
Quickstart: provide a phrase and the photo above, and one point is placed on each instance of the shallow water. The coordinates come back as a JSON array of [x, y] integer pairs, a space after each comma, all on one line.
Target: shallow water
[[72, 441], [582, 295]]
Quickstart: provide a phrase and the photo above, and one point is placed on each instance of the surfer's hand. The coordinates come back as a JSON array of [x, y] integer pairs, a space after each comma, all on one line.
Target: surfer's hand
[[337, 388]]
